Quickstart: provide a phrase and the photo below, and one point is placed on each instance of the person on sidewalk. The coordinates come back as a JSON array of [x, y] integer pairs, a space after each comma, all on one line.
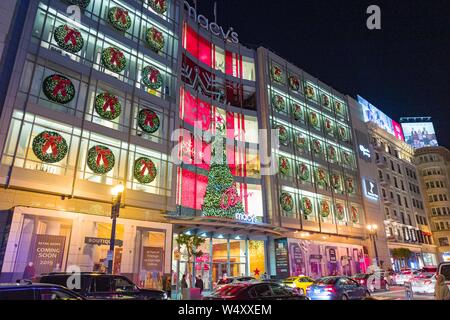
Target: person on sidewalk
[[184, 287], [199, 283], [441, 291]]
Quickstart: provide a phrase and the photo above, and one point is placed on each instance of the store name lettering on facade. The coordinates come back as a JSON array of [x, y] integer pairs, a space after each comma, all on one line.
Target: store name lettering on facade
[[212, 27], [231, 198]]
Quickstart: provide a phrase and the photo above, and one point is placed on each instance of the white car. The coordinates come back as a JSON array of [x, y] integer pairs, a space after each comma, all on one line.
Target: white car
[[424, 283], [404, 276]]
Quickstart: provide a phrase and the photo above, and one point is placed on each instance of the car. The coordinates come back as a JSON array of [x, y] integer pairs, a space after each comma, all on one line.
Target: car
[[254, 291], [100, 286], [300, 282], [33, 291], [423, 283], [229, 280], [378, 281], [337, 288], [444, 269], [405, 275]]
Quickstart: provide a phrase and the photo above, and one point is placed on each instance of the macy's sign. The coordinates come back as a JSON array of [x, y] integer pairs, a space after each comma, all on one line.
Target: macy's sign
[[212, 27]]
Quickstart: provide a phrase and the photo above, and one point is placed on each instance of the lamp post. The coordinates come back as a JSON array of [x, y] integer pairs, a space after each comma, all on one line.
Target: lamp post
[[117, 197], [373, 228]]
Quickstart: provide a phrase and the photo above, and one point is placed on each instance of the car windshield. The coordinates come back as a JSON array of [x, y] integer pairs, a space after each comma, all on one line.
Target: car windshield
[[325, 281], [290, 279]]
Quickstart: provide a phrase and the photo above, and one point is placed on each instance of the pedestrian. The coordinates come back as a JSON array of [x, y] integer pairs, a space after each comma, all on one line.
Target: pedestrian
[[199, 283], [441, 291], [169, 286], [184, 288], [29, 272]]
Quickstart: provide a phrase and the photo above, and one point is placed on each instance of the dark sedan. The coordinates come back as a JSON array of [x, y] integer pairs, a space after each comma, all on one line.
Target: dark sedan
[[337, 288], [254, 291], [29, 291]]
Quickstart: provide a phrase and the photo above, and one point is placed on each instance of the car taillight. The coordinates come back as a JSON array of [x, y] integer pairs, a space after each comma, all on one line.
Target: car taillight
[[427, 282], [361, 281]]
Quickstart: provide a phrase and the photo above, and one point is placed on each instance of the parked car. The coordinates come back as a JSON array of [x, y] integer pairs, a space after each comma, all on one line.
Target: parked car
[[29, 291], [405, 275], [99, 286], [378, 281], [229, 280], [337, 288], [444, 269], [301, 283], [254, 291], [424, 283]]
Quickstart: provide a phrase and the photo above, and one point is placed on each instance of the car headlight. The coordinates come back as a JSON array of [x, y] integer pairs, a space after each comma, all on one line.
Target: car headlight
[[164, 296]]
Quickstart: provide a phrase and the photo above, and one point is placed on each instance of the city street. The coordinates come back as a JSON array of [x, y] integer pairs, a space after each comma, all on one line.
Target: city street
[[398, 293]]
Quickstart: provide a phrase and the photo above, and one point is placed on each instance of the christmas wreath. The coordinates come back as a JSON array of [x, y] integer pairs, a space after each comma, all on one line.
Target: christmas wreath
[[284, 166], [331, 153], [154, 39], [59, 88], [148, 121], [286, 202], [355, 214], [283, 135], [307, 206], [338, 107], [81, 3], [277, 74], [340, 211], [328, 126], [152, 78], [336, 181], [297, 111], [107, 106], [321, 177], [325, 100], [278, 103], [69, 39], [350, 185], [114, 59], [324, 208], [119, 18], [314, 119], [303, 172], [294, 83], [300, 141], [100, 159], [144, 170], [343, 133], [49, 147], [346, 158], [317, 147], [160, 6], [309, 92]]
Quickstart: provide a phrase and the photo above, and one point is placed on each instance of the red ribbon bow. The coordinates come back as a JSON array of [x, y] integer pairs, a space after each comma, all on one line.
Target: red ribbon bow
[[115, 56], [153, 77], [161, 3], [101, 155], [149, 117], [71, 35], [156, 35], [146, 165], [121, 15], [61, 86], [51, 142], [109, 103]]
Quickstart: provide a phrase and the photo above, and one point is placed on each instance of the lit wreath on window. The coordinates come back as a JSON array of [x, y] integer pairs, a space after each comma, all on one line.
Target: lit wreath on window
[[148, 121], [81, 3], [336, 181], [300, 142], [307, 206], [283, 134], [340, 211], [119, 18], [350, 185], [346, 158], [325, 101], [325, 208], [297, 111], [328, 126], [331, 153], [303, 172], [355, 214], [155, 39], [107, 106], [100, 159], [286, 202], [68, 38], [283, 165], [49, 147], [294, 83], [114, 60], [277, 74], [160, 6], [58, 88], [321, 177], [317, 147], [314, 119], [152, 78], [343, 133], [309, 92], [144, 170], [279, 103]]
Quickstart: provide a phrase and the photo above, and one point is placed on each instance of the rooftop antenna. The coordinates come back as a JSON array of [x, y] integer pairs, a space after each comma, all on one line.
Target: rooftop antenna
[[215, 11]]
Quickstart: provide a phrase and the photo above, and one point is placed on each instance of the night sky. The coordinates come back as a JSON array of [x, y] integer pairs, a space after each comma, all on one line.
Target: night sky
[[403, 69]]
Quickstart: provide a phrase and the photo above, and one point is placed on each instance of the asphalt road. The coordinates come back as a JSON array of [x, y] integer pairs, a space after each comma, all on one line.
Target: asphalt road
[[398, 293]]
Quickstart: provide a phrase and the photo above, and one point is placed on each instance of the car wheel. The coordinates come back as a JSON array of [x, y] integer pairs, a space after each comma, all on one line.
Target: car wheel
[[344, 297]]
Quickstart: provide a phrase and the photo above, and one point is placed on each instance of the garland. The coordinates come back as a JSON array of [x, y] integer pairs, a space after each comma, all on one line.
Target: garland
[[309, 92], [277, 74], [49, 147], [152, 78], [148, 121], [114, 60], [325, 100], [294, 83], [303, 172], [155, 39], [119, 18], [329, 126], [336, 181], [340, 211], [107, 106], [297, 111], [81, 3], [331, 153], [355, 214], [317, 147], [350, 185], [283, 135], [284, 166], [300, 141], [59, 88], [160, 6], [324, 208], [69, 39], [100, 159], [314, 119], [279, 103], [307, 206], [321, 177], [144, 170], [286, 202]]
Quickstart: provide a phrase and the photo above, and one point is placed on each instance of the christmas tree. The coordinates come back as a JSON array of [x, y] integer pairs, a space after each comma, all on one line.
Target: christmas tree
[[221, 197]]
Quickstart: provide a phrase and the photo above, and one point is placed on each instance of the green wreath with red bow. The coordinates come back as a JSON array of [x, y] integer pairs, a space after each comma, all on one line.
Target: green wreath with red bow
[[58, 88], [284, 166], [303, 172], [336, 181], [350, 185], [307, 206], [355, 214], [346, 158], [286, 202], [68, 38], [160, 6], [343, 133], [152, 78], [294, 83], [325, 208], [332, 156], [100, 159], [81, 3], [277, 74], [321, 177], [309, 92], [283, 134], [119, 18], [155, 39], [328, 126], [49, 147], [114, 60], [314, 119], [340, 211], [107, 106], [325, 100], [317, 147], [144, 170], [279, 103], [297, 111], [338, 107], [300, 142], [148, 121]]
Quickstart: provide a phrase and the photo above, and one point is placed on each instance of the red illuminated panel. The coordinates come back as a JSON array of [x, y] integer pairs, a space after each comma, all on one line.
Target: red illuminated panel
[[398, 132], [193, 109], [197, 153], [191, 189], [198, 46]]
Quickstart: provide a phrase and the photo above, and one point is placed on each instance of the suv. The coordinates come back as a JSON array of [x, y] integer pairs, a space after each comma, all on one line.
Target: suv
[[29, 291], [444, 269], [100, 286]]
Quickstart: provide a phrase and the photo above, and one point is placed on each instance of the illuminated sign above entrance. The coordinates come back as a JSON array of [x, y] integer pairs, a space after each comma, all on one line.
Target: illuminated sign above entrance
[[212, 27], [371, 189]]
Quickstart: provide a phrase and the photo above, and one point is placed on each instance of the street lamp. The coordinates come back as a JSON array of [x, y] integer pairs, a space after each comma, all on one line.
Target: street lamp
[[373, 229], [115, 208]]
